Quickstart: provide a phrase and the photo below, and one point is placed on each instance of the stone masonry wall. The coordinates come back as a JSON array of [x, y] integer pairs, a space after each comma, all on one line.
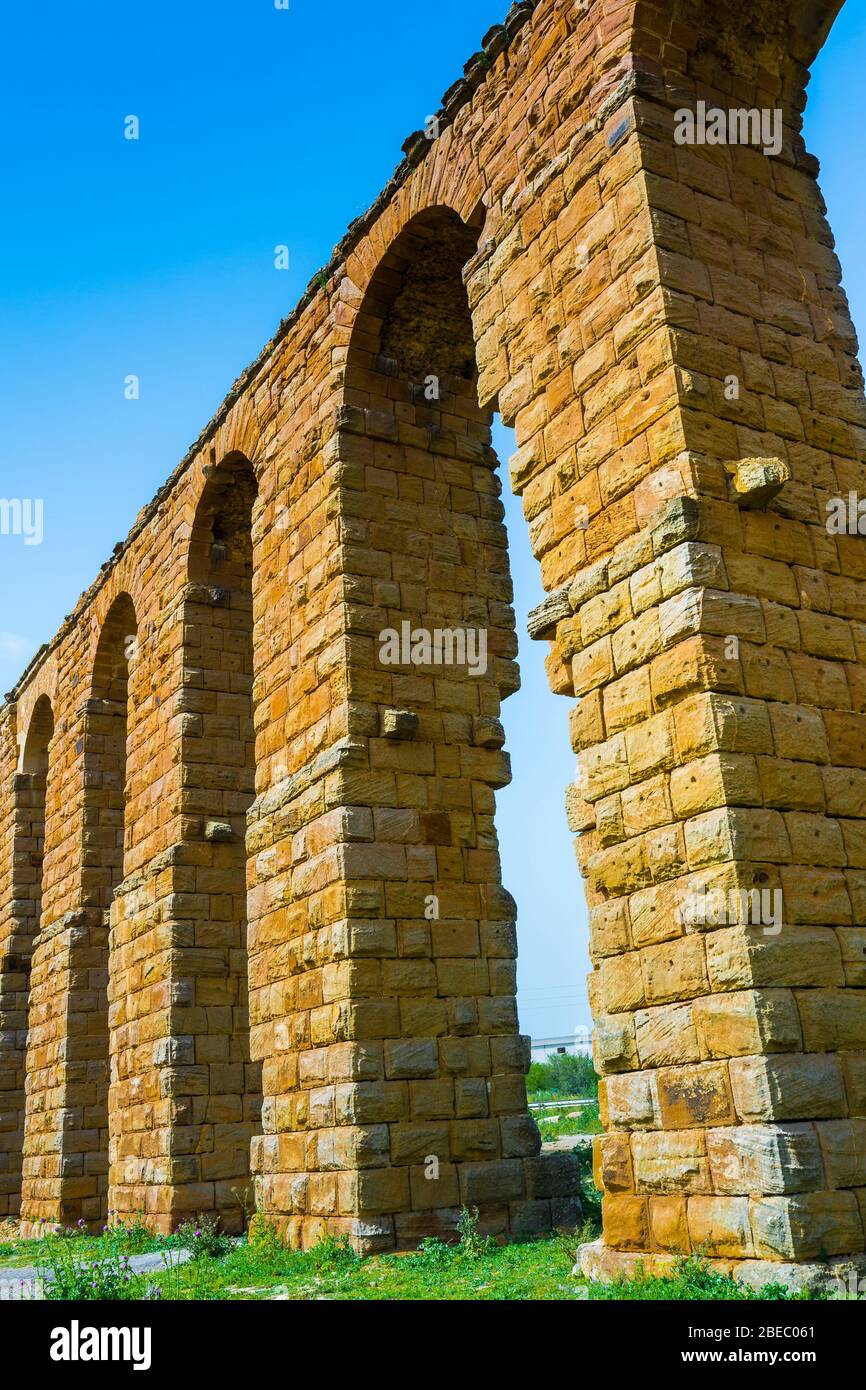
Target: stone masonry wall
[[721, 663], [650, 317]]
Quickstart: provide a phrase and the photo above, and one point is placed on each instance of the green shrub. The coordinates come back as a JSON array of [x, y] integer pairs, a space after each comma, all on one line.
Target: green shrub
[[130, 1237], [203, 1238], [263, 1235], [471, 1242], [471, 1245], [334, 1253], [692, 1280], [563, 1075], [434, 1253], [70, 1278]]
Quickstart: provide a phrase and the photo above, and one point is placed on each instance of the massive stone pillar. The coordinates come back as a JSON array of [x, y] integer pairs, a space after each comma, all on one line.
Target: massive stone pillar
[[26, 767], [66, 1141], [184, 1097], [719, 658], [26, 757], [383, 957]]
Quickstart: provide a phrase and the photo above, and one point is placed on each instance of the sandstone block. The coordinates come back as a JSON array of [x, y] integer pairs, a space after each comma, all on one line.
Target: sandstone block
[[671, 1162], [719, 1226], [814, 1225], [746, 1022], [631, 1100], [790, 1087], [612, 1166], [669, 1228], [695, 1095], [765, 1158], [843, 1148], [626, 1222]]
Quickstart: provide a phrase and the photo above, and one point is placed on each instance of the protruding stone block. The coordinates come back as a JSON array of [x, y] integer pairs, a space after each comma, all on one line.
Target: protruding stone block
[[756, 481]]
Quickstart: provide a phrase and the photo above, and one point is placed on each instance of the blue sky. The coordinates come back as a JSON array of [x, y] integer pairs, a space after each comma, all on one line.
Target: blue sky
[[155, 258]]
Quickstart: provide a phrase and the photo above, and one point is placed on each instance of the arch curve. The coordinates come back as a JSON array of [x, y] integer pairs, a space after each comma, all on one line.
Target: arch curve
[[220, 547], [115, 648], [40, 731]]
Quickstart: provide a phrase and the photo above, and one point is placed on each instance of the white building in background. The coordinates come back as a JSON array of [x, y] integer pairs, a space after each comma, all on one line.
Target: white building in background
[[579, 1044]]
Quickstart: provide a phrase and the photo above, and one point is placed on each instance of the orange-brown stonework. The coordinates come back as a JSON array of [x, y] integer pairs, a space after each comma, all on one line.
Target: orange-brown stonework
[[251, 915]]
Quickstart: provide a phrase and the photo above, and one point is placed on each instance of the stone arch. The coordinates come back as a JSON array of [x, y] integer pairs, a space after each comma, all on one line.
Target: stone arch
[[218, 756], [103, 745], [454, 213], [28, 857], [774, 43], [431, 931], [415, 313], [220, 547], [105, 753], [30, 803], [34, 759]]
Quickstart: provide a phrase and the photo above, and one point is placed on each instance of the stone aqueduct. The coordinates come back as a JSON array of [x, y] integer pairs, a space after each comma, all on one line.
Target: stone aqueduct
[[225, 820]]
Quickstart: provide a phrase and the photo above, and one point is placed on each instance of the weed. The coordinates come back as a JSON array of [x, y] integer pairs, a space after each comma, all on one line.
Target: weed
[[472, 1244], [334, 1254], [130, 1237], [69, 1278], [692, 1279], [203, 1238], [244, 1200]]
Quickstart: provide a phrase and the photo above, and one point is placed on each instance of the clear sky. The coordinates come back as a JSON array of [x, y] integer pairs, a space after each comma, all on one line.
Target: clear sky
[[156, 258]]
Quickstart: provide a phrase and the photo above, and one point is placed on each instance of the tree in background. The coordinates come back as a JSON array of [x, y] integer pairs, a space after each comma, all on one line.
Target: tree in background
[[563, 1075]]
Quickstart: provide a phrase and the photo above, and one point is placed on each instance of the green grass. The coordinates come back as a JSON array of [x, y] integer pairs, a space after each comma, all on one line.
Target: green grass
[[562, 1124], [71, 1244], [476, 1269], [538, 1270], [694, 1281]]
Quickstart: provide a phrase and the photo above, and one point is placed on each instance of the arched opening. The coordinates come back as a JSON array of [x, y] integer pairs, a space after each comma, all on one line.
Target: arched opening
[[219, 787], [30, 799], [538, 849], [34, 760], [422, 498], [105, 755], [416, 325], [105, 830], [28, 858]]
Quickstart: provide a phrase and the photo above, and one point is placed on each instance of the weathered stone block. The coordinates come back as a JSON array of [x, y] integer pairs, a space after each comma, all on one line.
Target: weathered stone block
[[765, 1158], [791, 1087], [719, 1226], [809, 1226], [671, 1162]]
